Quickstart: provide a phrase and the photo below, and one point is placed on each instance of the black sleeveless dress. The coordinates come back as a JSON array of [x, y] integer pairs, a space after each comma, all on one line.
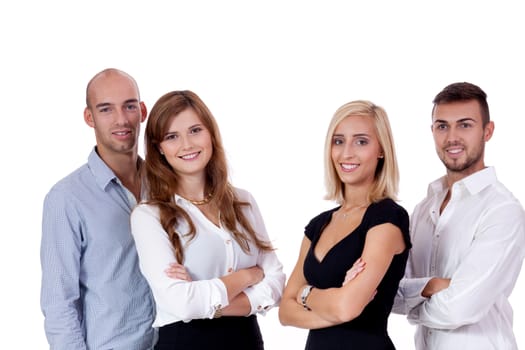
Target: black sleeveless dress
[[369, 330]]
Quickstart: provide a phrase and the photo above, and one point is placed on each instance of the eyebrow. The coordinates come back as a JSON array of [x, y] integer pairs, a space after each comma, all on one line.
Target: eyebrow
[[176, 132], [462, 120], [354, 135], [105, 104]]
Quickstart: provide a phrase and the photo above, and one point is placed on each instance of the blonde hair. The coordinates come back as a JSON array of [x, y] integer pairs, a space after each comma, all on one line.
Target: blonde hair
[[386, 179]]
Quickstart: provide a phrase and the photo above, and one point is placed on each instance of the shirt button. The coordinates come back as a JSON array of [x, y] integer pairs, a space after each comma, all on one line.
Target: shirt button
[[228, 241], [259, 307], [230, 270]]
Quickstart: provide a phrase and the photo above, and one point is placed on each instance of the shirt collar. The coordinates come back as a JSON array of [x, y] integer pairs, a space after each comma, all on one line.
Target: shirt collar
[[473, 183], [179, 199], [102, 173]]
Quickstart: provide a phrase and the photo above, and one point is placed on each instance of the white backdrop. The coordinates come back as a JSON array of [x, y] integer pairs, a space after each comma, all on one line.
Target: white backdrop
[[273, 73]]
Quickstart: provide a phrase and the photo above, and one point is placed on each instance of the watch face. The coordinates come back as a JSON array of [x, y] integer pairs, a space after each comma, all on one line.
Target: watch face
[[304, 295], [306, 291]]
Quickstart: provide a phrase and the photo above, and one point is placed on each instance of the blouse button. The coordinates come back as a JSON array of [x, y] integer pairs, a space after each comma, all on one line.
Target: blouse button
[[228, 241], [230, 270]]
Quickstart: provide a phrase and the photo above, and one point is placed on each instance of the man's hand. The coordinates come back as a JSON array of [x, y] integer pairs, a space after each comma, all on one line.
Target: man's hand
[[435, 285]]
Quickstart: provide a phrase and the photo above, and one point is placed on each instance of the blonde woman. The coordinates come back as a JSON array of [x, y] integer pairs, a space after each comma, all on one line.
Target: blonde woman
[[346, 305]]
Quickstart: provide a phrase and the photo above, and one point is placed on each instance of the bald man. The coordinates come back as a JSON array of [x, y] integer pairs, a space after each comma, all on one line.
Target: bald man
[[93, 295]]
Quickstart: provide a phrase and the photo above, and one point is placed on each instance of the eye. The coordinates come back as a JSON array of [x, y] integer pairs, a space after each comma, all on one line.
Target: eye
[[170, 136], [441, 126], [195, 130], [104, 109], [465, 125], [338, 141], [132, 106], [361, 142]]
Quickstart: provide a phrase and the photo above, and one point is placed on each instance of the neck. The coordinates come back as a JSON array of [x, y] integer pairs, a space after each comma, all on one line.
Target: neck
[[355, 197], [352, 206], [192, 188]]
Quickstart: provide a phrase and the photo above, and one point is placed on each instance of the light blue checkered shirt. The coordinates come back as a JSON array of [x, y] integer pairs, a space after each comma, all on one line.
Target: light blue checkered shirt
[[93, 295]]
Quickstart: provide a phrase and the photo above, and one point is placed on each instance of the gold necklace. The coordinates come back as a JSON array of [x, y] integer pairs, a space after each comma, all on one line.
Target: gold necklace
[[202, 201]]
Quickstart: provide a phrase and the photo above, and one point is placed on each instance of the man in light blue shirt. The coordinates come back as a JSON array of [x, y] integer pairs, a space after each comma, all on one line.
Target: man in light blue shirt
[[93, 295]]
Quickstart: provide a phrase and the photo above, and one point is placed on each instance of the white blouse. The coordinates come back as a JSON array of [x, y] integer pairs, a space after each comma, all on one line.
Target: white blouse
[[211, 254]]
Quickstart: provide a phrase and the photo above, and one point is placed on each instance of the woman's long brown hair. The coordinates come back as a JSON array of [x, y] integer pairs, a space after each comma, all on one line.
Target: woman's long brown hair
[[161, 181]]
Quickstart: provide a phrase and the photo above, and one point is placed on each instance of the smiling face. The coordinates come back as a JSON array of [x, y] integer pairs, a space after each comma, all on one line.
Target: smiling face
[[115, 112], [459, 136], [356, 150], [187, 144]]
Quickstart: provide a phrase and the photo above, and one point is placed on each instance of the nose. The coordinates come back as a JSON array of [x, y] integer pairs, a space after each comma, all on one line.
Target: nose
[[452, 135], [348, 150], [186, 142], [121, 117]]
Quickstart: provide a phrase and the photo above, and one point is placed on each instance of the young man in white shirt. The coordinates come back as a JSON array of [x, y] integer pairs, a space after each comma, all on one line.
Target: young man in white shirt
[[468, 237]]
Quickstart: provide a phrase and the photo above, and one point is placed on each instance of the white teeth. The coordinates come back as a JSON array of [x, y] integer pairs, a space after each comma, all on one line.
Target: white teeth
[[455, 150], [349, 166], [190, 156], [121, 133]]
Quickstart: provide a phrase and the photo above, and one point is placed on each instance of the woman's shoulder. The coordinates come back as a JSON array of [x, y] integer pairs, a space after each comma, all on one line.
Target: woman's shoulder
[[243, 195], [145, 208], [321, 219], [388, 205], [241, 192], [388, 211]]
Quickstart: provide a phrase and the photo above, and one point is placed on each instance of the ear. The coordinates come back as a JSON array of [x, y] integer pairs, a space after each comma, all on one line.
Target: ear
[[143, 112], [488, 131], [88, 117]]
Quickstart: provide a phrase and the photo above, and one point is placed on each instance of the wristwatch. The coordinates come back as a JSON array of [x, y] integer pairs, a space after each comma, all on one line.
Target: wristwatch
[[304, 295], [218, 311]]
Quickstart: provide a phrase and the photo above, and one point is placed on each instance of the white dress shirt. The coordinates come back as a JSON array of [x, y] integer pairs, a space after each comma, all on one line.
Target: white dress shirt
[[479, 242], [211, 254]]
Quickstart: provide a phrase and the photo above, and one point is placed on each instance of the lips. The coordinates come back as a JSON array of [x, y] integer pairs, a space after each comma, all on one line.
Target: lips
[[454, 150], [121, 132], [349, 167], [190, 156]]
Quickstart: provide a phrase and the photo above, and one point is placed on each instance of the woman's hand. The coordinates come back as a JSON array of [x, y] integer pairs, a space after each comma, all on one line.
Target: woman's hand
[[256, 274], [355, 270], [358, 266], [178, 271]]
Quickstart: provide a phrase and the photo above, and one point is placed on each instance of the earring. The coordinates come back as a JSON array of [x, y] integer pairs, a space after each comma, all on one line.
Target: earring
[[381, 156]]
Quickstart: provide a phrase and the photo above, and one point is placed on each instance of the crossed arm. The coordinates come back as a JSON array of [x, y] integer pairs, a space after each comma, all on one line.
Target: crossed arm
[[487, 271], [236, 283], [341, 304]]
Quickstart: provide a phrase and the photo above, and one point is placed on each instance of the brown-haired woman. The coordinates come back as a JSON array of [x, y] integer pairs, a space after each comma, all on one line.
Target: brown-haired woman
[[222, 269]]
